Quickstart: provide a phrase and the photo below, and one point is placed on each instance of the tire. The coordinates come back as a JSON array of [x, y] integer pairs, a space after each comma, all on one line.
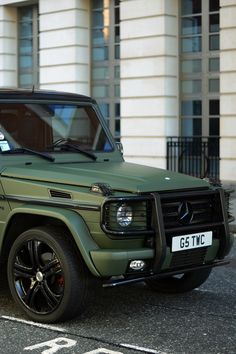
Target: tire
[[179, 283], [47, 276]]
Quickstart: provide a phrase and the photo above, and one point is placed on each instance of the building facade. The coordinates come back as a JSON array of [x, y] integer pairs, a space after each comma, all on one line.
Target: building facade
[[162, 71]]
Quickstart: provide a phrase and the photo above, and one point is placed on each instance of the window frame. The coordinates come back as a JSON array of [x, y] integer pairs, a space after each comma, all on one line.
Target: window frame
[[112, 82], [35, 47], [205, 75]]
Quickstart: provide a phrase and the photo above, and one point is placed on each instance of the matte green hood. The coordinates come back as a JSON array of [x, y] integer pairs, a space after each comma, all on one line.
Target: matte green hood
[[121, 176]]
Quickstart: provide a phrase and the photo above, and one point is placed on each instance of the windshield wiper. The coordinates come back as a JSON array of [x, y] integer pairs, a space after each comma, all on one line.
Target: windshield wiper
[[69, 144], [33, 152]]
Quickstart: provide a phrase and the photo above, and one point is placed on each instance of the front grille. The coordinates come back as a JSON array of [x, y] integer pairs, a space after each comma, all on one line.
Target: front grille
[[204, 209], [186, 213], [188, 258]]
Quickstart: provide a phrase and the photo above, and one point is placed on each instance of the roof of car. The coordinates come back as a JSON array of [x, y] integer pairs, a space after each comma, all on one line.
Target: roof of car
[[13, 94]]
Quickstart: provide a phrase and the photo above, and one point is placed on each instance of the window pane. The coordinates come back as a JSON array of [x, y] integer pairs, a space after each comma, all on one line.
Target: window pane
[[26, 30], [97, 4], [214, 107], [100, 73], [117, 15], [100, 36], [191, 86], [117, 34], [117, 127], [192, 44], [191, 7], [100, 91], [214, 64], [191, 66], [214, 42], [214, 126], [117, 90], [26, 46], [192, 25], [214, 85], [117, 52], [191, 127], [26, 80], [117, 72], [25, 14], [97, 19], [214, 21], [26, 62], [191, 108], [104, 107], [214, 5], [117, 109], [100, 53]]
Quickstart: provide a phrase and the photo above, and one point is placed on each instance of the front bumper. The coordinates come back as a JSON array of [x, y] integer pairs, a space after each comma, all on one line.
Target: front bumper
[[160, 260], [115, 262], [130, 280], [112, 262]]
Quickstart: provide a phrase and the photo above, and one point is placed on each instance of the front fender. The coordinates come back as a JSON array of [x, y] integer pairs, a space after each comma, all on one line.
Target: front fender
[[74, 223]]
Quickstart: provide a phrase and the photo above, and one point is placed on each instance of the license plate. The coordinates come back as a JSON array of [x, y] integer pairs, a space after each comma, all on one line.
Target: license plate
[[188, 242]]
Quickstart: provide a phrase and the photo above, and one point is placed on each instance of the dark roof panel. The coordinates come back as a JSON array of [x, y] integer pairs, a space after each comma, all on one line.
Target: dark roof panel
[[12, 94]]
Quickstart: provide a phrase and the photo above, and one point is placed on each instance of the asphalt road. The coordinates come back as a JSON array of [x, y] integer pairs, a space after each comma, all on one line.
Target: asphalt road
[[133, 319]]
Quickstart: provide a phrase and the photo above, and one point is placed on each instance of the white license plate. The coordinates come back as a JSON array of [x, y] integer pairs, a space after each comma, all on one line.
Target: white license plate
[[188, 242]]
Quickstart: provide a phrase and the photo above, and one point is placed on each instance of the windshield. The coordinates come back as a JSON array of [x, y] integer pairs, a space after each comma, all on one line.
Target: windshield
[[39, 126]]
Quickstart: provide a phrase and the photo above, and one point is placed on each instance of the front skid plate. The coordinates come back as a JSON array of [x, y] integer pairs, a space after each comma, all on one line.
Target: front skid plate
[[124, 281]]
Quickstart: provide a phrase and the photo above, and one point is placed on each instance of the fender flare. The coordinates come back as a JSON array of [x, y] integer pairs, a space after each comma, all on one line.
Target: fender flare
[[72, 220]]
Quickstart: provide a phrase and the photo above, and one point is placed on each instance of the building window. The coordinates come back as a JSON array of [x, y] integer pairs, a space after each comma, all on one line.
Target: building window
[[199, 68], [28, 38], [105, 23]]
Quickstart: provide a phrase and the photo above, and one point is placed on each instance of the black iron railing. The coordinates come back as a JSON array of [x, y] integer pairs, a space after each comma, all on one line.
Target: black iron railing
[[195, 156]]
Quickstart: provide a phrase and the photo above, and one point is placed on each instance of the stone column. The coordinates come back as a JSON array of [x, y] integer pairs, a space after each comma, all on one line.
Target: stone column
[[65, 45], [8, 47], [149, 79], [228, 90]]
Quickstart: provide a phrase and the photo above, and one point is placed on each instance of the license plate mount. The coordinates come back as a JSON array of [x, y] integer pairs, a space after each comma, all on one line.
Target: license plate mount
[[191, 241]]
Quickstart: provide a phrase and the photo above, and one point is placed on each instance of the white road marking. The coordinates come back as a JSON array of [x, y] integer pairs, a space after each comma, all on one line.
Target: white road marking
[[54, 345], [141, 349], [102, 351], [96, 351], [36, 324]]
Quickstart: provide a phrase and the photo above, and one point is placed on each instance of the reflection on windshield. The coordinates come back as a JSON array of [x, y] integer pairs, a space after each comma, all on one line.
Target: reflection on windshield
[[38, 126]]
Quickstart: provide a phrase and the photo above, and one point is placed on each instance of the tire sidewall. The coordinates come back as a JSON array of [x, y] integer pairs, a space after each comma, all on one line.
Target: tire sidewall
[[174, 285], [58, 246]]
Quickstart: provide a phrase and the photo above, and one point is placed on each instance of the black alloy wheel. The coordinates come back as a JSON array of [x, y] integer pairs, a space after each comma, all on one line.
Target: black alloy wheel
[[47, 278]]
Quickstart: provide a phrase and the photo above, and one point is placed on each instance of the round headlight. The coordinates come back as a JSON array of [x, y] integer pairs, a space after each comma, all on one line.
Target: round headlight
[[124, 215]]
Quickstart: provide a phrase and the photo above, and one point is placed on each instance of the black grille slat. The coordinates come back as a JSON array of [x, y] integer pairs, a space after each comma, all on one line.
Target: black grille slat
[[207, 216], [203, 209], [187, 258]]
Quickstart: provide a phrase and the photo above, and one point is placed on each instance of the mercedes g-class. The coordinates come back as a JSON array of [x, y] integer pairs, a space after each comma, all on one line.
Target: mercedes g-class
[[71, 209]]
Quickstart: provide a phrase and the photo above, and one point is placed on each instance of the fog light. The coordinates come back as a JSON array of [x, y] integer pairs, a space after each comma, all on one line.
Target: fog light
[[137, 265]]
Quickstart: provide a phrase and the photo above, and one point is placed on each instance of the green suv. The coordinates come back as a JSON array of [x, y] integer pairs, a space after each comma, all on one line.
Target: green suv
[[71, 210]]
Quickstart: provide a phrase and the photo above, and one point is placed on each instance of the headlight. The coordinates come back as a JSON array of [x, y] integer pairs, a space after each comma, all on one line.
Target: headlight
[[128, 216], [124, 215]]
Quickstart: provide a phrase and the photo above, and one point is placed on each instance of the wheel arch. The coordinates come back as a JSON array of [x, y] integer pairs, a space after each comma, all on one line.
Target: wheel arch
[[24, 218]]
